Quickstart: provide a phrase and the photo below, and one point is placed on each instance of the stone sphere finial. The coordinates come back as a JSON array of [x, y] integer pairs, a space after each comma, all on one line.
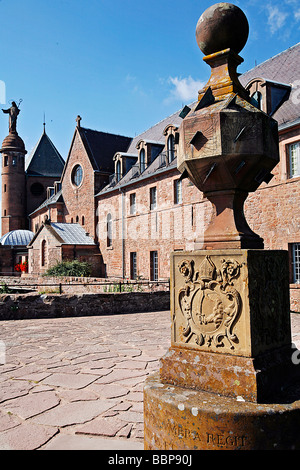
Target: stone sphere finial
[[220, 27]]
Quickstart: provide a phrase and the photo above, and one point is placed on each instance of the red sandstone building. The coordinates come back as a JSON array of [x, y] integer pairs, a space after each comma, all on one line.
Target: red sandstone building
[[134, 207]]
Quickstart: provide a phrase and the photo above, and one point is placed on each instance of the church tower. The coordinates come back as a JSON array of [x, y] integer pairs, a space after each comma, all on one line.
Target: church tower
[[13, 216]]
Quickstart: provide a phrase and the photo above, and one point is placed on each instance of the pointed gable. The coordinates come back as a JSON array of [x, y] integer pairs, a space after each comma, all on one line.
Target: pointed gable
[[45, 160], [101, 147]]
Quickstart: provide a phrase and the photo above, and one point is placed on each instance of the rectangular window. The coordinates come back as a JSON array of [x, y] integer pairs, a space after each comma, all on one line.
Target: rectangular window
[[153, 266], [133, 268], [296, 262], [109, 230], [294, 156], [132, 203], [177, 192], [5, 160], [153, 199]]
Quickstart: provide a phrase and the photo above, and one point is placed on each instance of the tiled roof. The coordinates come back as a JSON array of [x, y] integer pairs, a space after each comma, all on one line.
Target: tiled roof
[[72, 234], [282, 68], [102, 146], [44, 160], [156, 132], [17, 238]]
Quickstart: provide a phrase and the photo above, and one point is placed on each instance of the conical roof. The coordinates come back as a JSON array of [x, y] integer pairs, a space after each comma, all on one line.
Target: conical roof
[[44, 160]]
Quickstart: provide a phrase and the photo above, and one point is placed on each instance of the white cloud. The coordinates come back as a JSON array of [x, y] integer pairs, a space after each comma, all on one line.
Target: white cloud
[[276, 18], [297, 15], [185, 89], [132, 83], [130, 78]]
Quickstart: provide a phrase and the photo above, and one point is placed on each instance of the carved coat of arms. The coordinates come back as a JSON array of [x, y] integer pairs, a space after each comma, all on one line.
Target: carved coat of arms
[[209, 302]]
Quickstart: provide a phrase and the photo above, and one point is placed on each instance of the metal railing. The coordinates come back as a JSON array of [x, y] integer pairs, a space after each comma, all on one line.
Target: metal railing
[[164, 160], [104, 287]]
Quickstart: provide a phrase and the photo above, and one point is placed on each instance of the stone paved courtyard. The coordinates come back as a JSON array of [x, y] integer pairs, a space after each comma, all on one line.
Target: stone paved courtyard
[[77, 383]]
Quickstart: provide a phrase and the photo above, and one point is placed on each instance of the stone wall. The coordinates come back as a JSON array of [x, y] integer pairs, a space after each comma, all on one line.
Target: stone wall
[[79, 200], [171, 226], [90, 285], [6, 259], [76, 285], [29, 306], [273, 212], [33, 201]]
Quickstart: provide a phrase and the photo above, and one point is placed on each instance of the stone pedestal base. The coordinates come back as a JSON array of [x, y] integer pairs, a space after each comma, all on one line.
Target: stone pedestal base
[[259, 379], [224, 382], [178, 418]]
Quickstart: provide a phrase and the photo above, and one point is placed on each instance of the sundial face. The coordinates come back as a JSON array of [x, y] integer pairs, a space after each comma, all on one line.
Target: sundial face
[[229, 146], [199, 138], [241, 133]]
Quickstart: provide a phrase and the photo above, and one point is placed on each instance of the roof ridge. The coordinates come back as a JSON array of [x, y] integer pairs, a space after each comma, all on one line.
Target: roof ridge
[[31, 154], [105, 132], [54, 148], [87, 145], [271, 58], [33, 161], [159, 122]]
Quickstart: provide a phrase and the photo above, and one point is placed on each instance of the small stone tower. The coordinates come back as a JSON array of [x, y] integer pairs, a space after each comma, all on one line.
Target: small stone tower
[[13, 214]]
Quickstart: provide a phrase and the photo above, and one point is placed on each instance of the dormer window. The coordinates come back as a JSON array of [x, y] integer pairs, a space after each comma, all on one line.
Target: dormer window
[[170, 154], [57, 186], [171, 148], [256, 99], [142, 160], [118, 170], [268, 95], [123, 162], [50, 191]]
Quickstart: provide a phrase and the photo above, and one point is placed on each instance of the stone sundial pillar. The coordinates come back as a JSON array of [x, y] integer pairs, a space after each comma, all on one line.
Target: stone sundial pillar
[[228, 379]]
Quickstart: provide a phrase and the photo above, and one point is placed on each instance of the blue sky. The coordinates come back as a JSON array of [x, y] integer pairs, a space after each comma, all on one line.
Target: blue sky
[[123, 65]]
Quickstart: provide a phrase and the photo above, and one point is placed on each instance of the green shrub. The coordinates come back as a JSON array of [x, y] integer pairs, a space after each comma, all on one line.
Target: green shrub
[[4, 289], [70, 268]]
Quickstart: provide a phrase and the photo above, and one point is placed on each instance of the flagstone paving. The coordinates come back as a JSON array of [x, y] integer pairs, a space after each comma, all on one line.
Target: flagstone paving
[[77, 383]]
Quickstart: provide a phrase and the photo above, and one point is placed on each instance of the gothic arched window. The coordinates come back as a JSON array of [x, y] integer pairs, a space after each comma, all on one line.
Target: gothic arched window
[[43, 253]]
